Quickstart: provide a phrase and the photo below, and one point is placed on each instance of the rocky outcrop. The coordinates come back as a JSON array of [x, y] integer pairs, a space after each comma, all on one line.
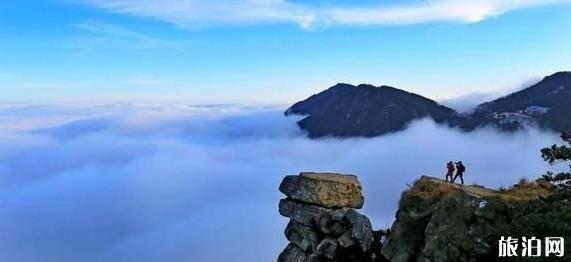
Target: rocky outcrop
[[440, 221], [324, 225], [436, 220]]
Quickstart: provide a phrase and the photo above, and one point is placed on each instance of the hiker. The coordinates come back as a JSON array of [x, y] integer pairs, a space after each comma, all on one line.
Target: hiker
[[460, 169], [449, 171]]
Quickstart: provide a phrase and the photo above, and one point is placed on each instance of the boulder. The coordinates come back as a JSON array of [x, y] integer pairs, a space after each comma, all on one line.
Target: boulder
[[302, 236], [327, 248], [331, 223], [293, 253], [346, 240], [305, 214], [324, 189], [361, 229]]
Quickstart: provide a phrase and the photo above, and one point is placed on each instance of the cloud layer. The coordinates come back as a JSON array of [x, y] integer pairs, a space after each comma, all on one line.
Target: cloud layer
[[152, 182], [199, 13]]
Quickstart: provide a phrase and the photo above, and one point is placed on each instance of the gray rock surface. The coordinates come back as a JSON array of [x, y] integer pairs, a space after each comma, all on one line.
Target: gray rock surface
[[327, 248], [361, 229], [293, 253], [346, 240], [308, 215], [324, 189], [302, 236]]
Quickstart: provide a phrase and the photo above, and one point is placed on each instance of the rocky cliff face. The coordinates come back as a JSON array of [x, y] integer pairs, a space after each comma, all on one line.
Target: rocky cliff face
[[436, 220], [439, 221]]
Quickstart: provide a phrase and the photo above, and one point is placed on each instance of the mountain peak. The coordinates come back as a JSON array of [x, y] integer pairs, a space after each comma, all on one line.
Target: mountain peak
[[365, 110], [557, 79], [342, 85], [564, 74]]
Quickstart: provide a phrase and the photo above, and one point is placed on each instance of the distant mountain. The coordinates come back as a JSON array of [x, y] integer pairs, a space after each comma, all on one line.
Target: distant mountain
[[365, 111], [345, 111], [546, 104]]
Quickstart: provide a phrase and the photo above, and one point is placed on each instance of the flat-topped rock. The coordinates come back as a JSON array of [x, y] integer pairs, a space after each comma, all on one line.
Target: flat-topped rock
[[324, 189]]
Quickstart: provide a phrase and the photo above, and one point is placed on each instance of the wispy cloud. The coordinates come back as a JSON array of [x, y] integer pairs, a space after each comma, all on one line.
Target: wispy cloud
[[122, 33], [460, 11], [199, 13]]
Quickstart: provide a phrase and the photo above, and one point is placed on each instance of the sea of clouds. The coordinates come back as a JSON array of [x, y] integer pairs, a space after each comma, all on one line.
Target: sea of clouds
[[178, 182]]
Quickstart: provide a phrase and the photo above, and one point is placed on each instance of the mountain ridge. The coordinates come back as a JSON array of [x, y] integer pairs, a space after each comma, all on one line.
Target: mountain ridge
[[364, 110], [552, 95]]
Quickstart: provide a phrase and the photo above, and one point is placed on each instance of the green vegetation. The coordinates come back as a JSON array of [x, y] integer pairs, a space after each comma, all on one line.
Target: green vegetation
[[555, 154], [550, 216]]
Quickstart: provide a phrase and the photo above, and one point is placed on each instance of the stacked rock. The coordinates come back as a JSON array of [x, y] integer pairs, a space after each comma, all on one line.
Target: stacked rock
[[324, 225]]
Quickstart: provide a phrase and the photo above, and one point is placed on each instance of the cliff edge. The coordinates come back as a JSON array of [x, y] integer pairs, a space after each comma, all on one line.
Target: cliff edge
[[440, 221]]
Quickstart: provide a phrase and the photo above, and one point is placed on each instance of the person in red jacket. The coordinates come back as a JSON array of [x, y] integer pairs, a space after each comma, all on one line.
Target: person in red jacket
[[450, 170]]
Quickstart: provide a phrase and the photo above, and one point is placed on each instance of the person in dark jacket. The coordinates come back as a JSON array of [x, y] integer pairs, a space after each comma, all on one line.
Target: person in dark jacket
[[450, 171], [460, 169]]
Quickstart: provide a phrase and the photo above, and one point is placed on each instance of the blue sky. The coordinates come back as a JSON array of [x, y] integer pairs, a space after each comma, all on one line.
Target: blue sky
[[273, 51]]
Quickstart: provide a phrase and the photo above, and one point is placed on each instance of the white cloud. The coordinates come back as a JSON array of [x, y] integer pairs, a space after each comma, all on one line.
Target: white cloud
[[468, 102], [463, 11], [174, 182], [198, 13], [114, 31]]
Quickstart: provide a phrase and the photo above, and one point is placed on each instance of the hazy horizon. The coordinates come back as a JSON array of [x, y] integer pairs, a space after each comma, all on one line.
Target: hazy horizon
[[461, 103]]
